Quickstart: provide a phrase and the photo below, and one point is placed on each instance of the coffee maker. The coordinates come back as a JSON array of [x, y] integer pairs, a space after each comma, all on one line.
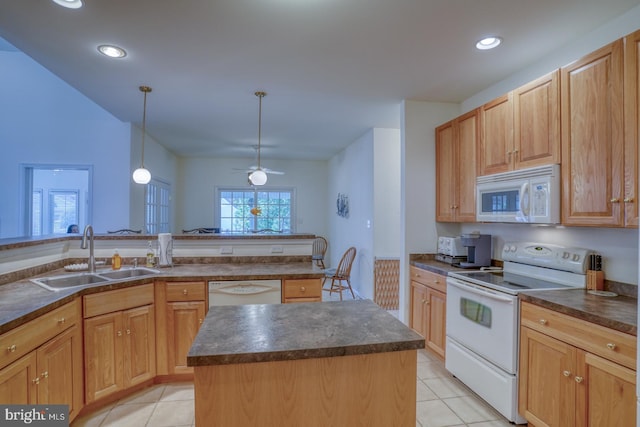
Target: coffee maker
[[478, 250]]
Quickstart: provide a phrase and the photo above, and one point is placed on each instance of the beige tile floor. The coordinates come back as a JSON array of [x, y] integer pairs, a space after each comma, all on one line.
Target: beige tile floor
[[441, 400]]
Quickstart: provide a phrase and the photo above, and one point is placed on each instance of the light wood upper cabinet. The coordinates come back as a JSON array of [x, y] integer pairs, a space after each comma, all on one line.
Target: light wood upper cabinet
[[593, 138], [536, 122], [496, 154], [632, 134], [456, 143]]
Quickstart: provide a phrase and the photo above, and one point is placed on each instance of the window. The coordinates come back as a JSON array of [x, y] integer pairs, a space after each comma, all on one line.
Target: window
[[63, 210], [157, 200], [276, 207]]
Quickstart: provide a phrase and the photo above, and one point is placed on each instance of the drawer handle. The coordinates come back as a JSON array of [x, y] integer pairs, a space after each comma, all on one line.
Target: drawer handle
[[12, 349], [628, 199], [566, 373], [611, 346], [185, 292], [542, 321], [615, 200], [62, 320], [578, 379], [302, 289]]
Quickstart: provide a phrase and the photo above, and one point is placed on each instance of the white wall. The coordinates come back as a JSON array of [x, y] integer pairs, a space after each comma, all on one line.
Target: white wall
[[43, 120], [198, 177], [386, 198]]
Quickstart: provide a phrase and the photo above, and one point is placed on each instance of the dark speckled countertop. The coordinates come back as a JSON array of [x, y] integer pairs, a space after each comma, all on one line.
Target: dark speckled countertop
[[619, 313], [23, 300], [273, 332]]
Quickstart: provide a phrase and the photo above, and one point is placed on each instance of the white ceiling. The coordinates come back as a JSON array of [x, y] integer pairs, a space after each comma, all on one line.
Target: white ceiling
[[332, 68]]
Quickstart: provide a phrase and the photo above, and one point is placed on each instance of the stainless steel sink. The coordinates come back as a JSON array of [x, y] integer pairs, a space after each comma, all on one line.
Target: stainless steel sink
[[127, 273], [58, 283], [69, 281]]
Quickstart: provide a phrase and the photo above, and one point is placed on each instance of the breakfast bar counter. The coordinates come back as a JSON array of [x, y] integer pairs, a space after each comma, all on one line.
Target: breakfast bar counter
[[314, 364]]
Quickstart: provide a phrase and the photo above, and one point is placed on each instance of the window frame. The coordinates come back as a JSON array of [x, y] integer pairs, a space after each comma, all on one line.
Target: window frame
[[156, 226], [292, 209]]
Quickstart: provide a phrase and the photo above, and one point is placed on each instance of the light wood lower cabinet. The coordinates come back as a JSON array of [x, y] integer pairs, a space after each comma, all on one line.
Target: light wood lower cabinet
[[301, 290], [47, 371], [181, 308], [119, 340], [428, 308], [573, 373]]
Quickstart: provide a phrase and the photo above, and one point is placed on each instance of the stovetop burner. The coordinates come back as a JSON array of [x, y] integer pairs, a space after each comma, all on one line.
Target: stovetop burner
[[508, 282]]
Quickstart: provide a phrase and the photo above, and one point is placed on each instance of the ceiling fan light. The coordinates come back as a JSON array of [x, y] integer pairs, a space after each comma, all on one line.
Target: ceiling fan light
[[112, 51], [488, 43], [258, 177], [69, 4], [141, 176]]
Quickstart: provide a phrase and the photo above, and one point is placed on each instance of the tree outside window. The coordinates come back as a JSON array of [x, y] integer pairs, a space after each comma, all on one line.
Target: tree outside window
[[275, 207]]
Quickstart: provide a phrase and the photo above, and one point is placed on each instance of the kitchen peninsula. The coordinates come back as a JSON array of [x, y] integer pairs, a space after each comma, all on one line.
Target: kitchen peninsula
[[334, 363]]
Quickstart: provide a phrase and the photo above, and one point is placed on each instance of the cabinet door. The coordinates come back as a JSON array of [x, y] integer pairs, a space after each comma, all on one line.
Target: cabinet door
[[547, 385], [606, 394], [103, 355], [436, 321], [445, 168], [183, 322], [59, 364], [536, 122], [418, 308], [592, 138], [496, 142], [467, 132], [139, 345], [19, 381], [632, 133]]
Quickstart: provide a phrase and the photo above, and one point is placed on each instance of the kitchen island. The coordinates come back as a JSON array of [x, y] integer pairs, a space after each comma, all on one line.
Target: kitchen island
[[334, 363]]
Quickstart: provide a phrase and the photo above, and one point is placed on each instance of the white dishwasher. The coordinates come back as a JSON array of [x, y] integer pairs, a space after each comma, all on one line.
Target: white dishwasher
[[238, 292]]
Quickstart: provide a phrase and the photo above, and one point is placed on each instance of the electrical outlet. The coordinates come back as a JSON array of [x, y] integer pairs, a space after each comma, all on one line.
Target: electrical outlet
[[225, 250], [276, 249]]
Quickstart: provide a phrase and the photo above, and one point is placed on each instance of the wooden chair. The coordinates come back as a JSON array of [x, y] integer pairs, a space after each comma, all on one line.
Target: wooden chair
[[319, 250], [202, 230], [340, 274]]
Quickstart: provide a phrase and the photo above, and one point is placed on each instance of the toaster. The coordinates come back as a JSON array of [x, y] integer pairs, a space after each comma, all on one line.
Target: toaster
[[451, 246]]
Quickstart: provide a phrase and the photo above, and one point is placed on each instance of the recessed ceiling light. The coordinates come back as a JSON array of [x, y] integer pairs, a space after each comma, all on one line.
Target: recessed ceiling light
[[112, 51], [488, 43], [71, 4]]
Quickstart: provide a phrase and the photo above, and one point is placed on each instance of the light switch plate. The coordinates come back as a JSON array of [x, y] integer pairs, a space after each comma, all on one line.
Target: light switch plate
[[226, 250], [276, 249]]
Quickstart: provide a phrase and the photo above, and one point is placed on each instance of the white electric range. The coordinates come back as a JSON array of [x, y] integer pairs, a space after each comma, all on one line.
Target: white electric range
[[483, 316]]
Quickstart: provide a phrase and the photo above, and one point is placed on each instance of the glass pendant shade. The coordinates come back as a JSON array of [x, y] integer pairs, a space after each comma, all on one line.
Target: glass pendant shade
[[141, 176], [258, 177]]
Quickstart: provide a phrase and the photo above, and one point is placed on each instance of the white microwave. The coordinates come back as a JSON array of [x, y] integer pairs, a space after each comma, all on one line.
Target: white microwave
[[526, 195]]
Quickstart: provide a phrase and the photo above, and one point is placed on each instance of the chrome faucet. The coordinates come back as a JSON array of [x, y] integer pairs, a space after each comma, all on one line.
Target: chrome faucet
[[88, 230]]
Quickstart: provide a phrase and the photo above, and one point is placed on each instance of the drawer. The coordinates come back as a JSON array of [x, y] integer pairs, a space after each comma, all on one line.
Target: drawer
[[605, 342], [302, 288], [117, 300], [427, 278], [21, 340], [186, 291]]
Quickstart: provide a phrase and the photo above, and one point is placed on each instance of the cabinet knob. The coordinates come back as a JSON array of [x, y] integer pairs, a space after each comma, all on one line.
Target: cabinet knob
[[62, 320], [302, 289], [185, 292], [128, 331], [578, 379], [119, 333], [615, 200], [628, 199], [45, 374], [200, 321], [11, 349], [424, 300], [566, 373], [36, 380], [542, 321], [611, 346]]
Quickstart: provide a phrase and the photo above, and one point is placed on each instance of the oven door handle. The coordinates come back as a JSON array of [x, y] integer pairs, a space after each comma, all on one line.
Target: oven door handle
[[468, 287]]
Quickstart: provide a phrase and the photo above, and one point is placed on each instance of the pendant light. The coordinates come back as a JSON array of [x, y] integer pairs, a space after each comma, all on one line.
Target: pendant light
[[258, 176], [142, 175]]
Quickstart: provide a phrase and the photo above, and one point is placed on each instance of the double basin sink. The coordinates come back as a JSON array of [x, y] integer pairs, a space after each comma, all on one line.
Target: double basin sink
[[58, 283]]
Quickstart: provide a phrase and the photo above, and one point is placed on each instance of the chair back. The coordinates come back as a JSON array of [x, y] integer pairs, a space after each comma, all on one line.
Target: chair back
[[319, 248], [125, 231], [344, 267]]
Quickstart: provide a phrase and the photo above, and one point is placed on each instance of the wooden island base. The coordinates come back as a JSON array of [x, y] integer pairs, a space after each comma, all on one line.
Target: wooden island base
[[377, 389]]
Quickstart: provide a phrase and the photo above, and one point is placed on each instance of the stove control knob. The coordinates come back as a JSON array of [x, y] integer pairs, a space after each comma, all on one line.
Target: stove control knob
[[565, 255], [576, 257]]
